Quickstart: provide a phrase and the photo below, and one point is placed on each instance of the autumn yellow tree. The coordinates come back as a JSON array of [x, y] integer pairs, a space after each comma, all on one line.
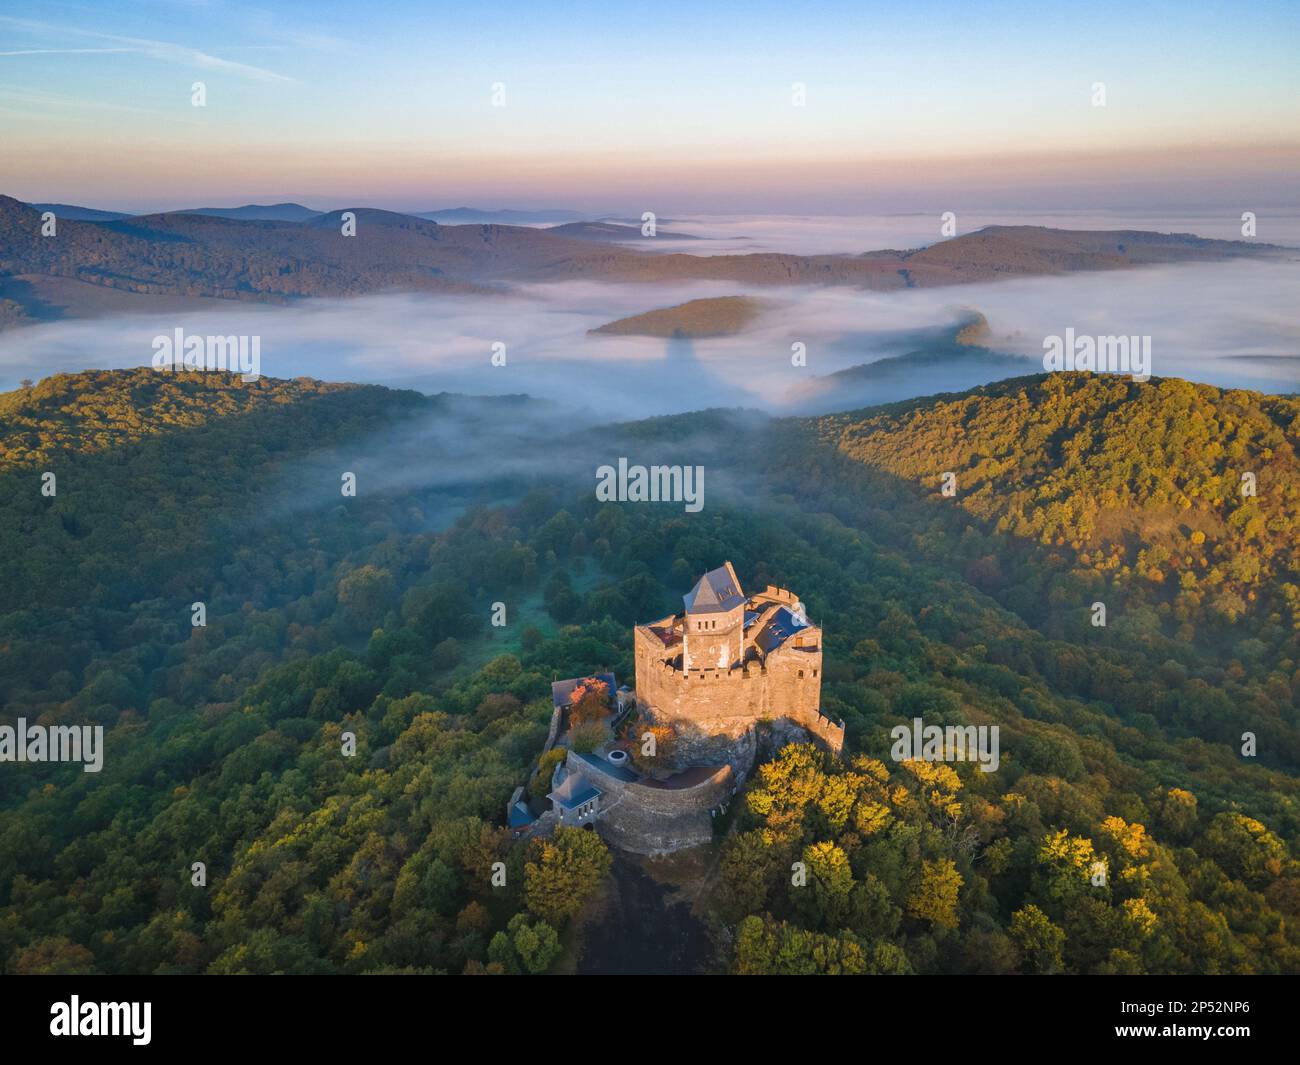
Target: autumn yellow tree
[[1069, 865], [786, 786], [938, 787], [935, 899], [830, 884]]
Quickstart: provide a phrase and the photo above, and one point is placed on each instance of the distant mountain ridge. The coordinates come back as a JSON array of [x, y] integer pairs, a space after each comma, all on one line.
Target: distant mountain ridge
[[256, 212], [80, 214], [252, 212], [273, 260], [297, 212]]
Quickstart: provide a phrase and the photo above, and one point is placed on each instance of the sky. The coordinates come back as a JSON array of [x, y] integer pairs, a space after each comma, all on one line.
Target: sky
[[618, 106]]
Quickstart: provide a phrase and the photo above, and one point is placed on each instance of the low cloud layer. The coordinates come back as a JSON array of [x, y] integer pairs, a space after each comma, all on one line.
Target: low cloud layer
[[1231, 324]]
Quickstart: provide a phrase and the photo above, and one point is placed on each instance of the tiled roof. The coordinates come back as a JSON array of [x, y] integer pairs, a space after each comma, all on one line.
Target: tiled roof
[[574, 792], [783, 624], [604, 765], [715, 593]]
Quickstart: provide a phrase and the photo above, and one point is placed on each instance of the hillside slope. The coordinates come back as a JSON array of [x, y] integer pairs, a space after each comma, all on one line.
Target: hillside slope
[[1147, 483]]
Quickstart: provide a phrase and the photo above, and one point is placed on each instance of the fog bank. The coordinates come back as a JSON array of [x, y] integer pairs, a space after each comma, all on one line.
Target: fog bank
[[1230, 324]]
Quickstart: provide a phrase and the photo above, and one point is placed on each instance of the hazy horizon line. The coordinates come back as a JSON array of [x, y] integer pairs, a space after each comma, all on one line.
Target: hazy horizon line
[[1168, 177]]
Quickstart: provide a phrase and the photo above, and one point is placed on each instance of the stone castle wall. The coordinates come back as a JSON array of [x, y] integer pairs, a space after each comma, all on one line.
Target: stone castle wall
[[821, 727], [788, 683], [715, 710], [656, 820]]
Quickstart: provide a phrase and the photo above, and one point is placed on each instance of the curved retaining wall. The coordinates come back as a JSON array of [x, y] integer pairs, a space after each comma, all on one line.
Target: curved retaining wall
[[645, 819]]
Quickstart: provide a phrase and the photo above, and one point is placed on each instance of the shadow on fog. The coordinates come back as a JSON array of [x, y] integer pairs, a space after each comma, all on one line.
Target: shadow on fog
[[1226, 324]]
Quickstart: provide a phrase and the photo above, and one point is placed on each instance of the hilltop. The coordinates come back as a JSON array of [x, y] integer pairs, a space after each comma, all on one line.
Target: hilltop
[[713, 317], [56, 416]]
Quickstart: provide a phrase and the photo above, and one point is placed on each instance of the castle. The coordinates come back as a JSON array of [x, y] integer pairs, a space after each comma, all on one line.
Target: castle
[[728, 662], [726, 669]]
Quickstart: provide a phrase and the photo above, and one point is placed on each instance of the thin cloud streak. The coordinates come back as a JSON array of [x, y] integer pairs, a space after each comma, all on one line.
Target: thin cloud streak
[[164, 51]]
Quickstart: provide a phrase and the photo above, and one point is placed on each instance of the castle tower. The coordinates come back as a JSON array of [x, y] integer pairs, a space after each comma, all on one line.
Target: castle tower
[[713, 630], [727, 662]]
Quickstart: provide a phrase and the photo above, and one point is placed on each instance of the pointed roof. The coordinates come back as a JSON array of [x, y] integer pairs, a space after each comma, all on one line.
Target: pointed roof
[[573, 792], [715, 593]]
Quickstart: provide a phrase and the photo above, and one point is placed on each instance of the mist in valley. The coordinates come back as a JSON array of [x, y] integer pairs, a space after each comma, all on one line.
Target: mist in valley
[[853, 234], [1232, 324]]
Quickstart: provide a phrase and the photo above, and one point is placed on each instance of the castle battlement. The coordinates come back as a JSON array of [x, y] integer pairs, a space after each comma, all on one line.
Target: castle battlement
[[748, 671], [778, 595]]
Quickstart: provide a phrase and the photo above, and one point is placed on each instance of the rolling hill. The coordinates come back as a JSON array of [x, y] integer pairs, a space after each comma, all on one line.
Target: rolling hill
[[1179, 497], [229, 258]]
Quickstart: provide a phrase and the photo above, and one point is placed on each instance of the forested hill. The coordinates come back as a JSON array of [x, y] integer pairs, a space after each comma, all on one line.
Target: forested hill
[[1182, 494], [96, 411], [369, 614]]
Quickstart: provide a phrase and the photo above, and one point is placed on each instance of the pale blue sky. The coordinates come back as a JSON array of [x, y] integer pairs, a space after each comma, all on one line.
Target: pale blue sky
[[608, 103]]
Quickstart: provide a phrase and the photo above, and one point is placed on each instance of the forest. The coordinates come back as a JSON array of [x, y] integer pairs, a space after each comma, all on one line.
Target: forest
[[1121, 744]]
